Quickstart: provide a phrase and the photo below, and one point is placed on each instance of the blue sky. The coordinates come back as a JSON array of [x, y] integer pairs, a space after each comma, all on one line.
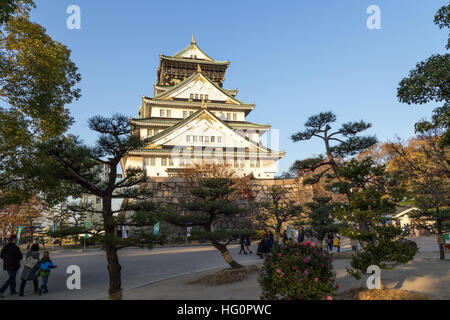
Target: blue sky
[[292, 58]]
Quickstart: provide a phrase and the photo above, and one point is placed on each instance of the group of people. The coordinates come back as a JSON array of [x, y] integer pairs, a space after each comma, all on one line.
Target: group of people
[[245, 243], [333, 240], [266, 244], [33, 268]]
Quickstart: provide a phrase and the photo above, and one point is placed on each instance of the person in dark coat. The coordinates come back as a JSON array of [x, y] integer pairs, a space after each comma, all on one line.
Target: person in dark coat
[[301, 236], [285, 238], [242, 243], [11, 256], [30, 273], [330, 240], [247, 243], [270, 241]]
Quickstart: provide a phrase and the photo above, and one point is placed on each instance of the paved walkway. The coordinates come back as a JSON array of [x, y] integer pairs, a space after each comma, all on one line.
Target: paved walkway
[[426, 274]]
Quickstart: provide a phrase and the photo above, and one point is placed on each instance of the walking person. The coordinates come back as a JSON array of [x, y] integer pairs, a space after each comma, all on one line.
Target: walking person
[[301, 235], [337, 242], [330, 239], [247, 243], [44, 271], [285, 237], [270, 241], [242, 243], [11, 256], [30, 269]]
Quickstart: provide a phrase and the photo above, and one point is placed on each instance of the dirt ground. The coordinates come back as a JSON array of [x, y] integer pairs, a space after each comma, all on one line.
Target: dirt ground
[[425, 275]]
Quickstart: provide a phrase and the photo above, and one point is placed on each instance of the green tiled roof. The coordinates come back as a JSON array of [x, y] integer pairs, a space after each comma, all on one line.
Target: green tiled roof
[[192, 76], [192, 45], [169, 151], [173, 121], [194, 61], [194, 115], [197, 104]]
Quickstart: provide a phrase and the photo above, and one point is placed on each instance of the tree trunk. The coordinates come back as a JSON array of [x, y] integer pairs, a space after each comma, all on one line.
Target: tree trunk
[[114, 268], [278, 234], [440, 239], [226, 254]]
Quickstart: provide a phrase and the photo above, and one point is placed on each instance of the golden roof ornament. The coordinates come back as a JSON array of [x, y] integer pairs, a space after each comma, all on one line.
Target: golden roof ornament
[[199, 69], [204, 106], [193, 40]]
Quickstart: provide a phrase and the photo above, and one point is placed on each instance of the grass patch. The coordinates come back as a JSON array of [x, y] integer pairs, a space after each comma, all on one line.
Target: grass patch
[[385, 294], [225, 276]]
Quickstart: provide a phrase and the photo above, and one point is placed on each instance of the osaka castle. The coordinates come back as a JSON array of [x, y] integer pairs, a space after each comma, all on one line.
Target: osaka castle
[[192, 118]]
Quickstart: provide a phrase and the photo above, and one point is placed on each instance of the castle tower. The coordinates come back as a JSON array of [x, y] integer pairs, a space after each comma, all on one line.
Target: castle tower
[[192, 118]]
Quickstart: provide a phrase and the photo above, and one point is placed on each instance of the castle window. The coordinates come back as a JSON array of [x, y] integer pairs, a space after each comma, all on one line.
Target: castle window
[[152, 161], [206, 139], [149, 132], [192, 96], [188, 138], [194, 138], [196, 96], [161, 112], [171, 161], [164, 161], [169, 113], [219, 139], [185, 114], [201, 97], [201, 138], [234, 116], [191, 113], [213, 139], [206, 97], [228, 116]]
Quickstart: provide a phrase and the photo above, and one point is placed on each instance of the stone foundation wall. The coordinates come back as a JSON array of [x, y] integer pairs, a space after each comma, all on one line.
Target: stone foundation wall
[[174, 191]]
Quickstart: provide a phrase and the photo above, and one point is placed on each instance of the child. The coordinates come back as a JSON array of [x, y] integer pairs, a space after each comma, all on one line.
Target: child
[[337, 243], [45, 265]]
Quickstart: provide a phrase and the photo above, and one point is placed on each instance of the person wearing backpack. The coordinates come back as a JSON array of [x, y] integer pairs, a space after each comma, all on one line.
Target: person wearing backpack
[[11, 256], [30, 269]]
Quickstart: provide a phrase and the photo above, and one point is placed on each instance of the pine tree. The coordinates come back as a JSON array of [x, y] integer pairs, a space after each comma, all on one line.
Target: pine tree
[[374, 196], [84, 166], [321, 216], [212, 203]]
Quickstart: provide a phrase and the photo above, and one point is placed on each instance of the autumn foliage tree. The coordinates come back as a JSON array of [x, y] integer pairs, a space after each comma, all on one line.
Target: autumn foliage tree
[[15, 215], [423, 168]]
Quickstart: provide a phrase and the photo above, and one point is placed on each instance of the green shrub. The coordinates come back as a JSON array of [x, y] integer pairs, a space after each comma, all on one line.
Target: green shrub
[[297, 271]]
